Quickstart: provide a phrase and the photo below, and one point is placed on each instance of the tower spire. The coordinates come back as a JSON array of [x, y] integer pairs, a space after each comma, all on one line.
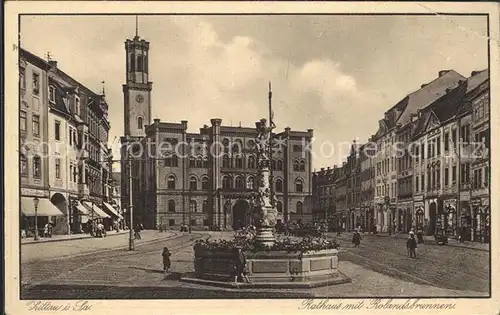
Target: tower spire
[[136, 26]]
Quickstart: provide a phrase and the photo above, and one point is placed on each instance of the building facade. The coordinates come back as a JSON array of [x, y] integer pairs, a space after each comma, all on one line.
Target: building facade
[[65, 152]]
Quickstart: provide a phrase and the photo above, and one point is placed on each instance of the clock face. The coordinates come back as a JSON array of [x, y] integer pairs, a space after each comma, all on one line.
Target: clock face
[[139, 98]]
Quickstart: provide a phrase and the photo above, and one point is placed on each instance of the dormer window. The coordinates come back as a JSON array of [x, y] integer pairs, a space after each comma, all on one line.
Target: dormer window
[[52, 94]]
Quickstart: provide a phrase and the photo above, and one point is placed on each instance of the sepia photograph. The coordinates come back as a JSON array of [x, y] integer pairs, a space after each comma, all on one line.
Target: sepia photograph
[[252, 155]]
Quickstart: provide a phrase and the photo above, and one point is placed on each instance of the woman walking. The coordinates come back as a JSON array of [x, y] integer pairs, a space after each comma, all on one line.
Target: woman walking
[[356, 238]]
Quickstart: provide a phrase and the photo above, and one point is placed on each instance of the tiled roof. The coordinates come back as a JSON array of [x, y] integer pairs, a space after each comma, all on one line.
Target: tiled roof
[[429, 93], [476, 79]]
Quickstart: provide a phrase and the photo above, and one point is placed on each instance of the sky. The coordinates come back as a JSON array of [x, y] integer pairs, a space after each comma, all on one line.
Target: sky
[[334, 74]]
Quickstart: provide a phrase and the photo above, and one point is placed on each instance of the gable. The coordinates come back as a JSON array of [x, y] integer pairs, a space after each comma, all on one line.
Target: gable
[[432, 122]]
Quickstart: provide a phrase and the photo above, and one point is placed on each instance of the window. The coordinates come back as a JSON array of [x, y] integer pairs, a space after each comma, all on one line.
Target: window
[[139, 123], [279, 185], [236, 148], [251, 162], [37, 167], [192, 162], [226, 182], [132, 62], [70, 173], [52, 94], [279, 206], [273, 164], [480, 178], [204, 183], [22, 120], [57, 130], [299, 185], [192, 206], [23, 165], [239, 184], [279, 165], [239, 162], [299, 207], [225, 161], [145, 63], [171, 222], [199, 163], [251, 183], [486, 176], [36, 125], [139, 63], [416, 184], [77, 106], [36, 83], [446, 177], [454, 174], [171, 182], [205, 162], [204, 206], [446, 142], [296, 166], [193, 183], [71, 136], [22, 78], [302, 166], [58, 168], [429, 179], [422, 152], [171, 206], [297, 148], [438, 146]]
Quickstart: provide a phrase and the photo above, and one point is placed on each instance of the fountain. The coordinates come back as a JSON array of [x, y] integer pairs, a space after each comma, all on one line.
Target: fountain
[[271, 263]]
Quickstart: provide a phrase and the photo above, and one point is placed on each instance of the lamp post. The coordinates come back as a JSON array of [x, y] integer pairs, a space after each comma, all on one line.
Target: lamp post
[[35, 203]]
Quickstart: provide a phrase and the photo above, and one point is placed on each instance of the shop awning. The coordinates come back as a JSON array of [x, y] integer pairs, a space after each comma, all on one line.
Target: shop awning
[[81, 208], [97, 211], [112, 210], [45, 208]]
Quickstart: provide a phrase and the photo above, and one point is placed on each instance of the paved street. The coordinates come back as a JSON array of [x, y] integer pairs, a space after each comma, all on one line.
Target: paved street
[[441, 266], [123, 274]]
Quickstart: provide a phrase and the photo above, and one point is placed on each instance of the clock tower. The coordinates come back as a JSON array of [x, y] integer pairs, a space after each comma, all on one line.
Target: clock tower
[[137, 90]]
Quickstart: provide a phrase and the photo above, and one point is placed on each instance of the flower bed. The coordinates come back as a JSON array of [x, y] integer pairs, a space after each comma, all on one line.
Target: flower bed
[[248, 245]]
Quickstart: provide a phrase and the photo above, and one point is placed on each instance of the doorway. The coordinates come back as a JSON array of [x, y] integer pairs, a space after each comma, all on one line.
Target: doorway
[[240, 214], [432, 218]]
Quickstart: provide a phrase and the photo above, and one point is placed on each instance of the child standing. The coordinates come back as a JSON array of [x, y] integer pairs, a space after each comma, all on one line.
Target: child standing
[[411, 244], [166, 259]]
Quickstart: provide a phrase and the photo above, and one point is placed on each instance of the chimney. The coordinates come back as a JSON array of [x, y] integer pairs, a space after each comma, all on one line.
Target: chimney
[[473, 73], [443, 72], [322, 169], [184, 124], [53, 64], [156, 120], [328, 168]]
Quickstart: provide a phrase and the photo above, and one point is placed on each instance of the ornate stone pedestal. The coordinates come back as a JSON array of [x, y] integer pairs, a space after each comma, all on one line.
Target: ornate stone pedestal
[[265, 236]]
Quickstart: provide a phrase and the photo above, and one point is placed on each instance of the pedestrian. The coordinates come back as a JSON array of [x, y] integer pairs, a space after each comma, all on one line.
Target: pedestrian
[[137, 231], [356, 238], [166, 259], [411, 245], [240, 266], [420, 236], [51, 227], [46, 230]]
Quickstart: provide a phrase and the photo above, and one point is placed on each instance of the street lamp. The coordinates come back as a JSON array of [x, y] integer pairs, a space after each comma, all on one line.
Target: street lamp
[[35, 202]]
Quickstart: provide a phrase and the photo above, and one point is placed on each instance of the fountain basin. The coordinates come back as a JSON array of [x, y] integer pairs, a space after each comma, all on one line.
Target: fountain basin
[[269, 269]]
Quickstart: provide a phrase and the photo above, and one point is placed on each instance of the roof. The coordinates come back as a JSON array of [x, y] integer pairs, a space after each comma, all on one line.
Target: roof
[[476, 79], [429, 93]]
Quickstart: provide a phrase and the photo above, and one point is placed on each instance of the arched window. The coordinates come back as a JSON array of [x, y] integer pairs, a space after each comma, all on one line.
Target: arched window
[[226, 162], [24, 165], [204, 183], [239, 162], [226, 182], [239, 184], [279, 165], [236, 148], [279, 185], [251, 183], [171, 182], [171, 206], [139, 123], [139, 63], [273, 164], [302, 165], [192, 162], [296, 166], [299, 207], [193, 183], [192, 206], [199, 163], [132, 62], [225, 144], [279, 206], [251, 161], [251, 144], [299, 185], [37, 166], [205, 162], [204, 206]]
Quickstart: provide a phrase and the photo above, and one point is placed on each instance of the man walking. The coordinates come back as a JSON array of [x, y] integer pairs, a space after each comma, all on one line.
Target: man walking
[[411, 245]]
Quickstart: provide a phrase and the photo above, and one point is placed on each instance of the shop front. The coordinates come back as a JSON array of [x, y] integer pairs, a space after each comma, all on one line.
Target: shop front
[[37, 213], [481, 220]]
